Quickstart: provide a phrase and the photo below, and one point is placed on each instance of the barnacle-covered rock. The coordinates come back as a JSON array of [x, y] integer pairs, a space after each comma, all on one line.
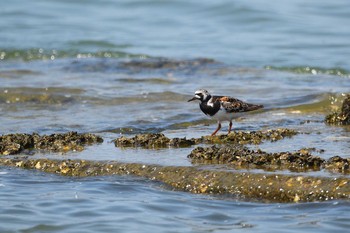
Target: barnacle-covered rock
[[66, 142], [251, 137], [16, 143], [342, 117], [244, 157], [338, 164], [254, 186], [158, 140], [152, 140]]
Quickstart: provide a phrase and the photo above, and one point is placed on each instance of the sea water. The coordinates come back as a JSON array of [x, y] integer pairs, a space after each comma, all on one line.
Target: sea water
[[126, 67]]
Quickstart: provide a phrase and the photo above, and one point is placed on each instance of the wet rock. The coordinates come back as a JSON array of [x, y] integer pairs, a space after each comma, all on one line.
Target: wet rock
[[66, 142], [338, 164], [251, 137], [229, 149], [242, 156], [16, 143], [181, 142], [342, 117], [156, 140], [243, 185]]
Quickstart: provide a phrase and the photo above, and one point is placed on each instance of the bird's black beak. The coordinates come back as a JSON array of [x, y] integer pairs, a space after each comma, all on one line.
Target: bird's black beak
[[194, 98]]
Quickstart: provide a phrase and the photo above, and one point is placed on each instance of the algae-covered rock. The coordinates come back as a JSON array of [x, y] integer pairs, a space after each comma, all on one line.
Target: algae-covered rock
[[15, 143], [158, 140], [152, 140], [244, 157], [342, 117], [245, 185], [66, 142], [338, 164], [251, 137]]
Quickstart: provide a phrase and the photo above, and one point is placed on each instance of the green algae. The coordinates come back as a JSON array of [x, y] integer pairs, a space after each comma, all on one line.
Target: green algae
[[72, 141], [244, 185]]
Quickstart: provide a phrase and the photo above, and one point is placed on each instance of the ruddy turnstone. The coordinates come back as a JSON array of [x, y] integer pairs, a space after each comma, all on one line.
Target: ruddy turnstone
[[222, 107]]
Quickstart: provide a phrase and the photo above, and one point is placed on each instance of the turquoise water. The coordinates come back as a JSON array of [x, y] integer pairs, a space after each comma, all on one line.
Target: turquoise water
[[125, 67]]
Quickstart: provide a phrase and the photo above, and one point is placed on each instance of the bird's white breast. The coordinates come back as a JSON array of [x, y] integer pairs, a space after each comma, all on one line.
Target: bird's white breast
[[222, 115]]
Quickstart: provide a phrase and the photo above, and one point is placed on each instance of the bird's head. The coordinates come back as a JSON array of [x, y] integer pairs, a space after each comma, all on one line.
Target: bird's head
[[201, 95]]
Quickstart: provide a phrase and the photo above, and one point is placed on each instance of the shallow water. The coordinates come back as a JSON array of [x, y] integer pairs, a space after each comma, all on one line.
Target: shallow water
[[38, 202], [125, 67]]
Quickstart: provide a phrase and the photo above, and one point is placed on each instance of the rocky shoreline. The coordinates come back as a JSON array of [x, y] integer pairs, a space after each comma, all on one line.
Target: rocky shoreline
[[243, 185], [229, 149]]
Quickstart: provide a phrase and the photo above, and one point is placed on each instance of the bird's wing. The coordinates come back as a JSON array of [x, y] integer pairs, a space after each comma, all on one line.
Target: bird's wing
[[235, 105]]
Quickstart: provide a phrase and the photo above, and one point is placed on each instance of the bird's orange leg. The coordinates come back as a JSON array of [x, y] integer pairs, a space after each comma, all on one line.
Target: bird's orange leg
[[219, 127], [229, 127]]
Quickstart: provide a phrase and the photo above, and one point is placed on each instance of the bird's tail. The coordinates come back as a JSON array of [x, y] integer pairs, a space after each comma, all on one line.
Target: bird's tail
[[253, 107]]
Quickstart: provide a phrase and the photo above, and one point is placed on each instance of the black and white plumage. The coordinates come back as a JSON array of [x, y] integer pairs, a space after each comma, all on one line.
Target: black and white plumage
[[222, 108]]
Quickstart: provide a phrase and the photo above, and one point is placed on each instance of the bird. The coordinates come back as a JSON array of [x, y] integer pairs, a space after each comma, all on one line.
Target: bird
[[222, 108]]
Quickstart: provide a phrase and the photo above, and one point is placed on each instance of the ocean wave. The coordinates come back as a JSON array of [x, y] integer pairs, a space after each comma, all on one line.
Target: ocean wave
[[52, 54], [311, 70]]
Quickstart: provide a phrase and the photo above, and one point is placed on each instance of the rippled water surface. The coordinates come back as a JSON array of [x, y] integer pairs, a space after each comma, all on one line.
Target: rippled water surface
[[38, 202], [125, 67]]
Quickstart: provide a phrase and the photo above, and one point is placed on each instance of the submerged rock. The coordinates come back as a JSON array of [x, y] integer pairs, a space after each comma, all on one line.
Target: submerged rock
[[342, 117], [15, 143], [156, 140], [52, 96], [252, 186], [164, 63]]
